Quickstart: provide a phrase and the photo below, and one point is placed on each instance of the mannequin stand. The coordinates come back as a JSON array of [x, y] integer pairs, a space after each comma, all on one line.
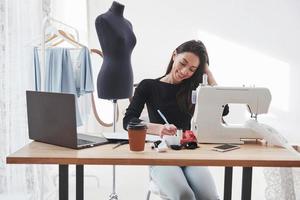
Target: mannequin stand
[[113, 195]]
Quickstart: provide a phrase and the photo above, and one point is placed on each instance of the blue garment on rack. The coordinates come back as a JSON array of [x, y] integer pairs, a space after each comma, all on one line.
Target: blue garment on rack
[[60, 75], [86, 75]]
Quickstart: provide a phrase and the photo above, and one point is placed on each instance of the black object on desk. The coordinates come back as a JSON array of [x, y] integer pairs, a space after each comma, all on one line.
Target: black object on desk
[[120, 144]]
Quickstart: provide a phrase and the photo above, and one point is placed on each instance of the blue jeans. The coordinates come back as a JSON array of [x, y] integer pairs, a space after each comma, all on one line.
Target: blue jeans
[[184, 183]]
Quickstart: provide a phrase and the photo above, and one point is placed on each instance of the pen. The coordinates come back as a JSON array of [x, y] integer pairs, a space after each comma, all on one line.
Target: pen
[[162, 116], [120, 143]]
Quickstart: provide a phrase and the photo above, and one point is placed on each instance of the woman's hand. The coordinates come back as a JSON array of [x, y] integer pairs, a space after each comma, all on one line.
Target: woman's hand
[[210, 78], [161, 129], [167, 129], [206, 69]]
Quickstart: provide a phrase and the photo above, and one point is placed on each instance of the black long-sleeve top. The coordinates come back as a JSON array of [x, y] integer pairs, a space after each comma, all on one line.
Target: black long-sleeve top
[[157, 95]]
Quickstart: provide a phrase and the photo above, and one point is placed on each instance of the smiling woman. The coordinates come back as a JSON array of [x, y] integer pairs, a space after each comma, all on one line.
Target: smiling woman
[[171, 94], [185, 65]]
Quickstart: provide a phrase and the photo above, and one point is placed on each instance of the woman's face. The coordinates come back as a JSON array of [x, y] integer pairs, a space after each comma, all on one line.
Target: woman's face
[[184, 66]]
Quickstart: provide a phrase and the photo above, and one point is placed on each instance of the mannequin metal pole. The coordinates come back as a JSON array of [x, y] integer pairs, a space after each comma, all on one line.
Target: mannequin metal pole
[[113, 195]]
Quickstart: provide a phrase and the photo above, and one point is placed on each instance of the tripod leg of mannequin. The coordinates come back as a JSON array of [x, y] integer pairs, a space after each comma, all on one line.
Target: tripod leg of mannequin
[[113, 195]]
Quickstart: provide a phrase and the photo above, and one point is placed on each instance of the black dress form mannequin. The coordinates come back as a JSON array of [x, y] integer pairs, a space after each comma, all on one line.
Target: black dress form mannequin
[[115, 79], [117, 40]]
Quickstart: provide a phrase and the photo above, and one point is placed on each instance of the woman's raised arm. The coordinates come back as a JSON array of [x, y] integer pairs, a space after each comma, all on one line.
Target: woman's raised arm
[[210, 78]]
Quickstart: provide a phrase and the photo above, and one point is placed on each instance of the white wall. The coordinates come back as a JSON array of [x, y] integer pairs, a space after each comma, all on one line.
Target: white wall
[[249, 42]]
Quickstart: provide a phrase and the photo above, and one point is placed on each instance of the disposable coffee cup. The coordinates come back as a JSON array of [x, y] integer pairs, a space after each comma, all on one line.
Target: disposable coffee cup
[[136, 136]]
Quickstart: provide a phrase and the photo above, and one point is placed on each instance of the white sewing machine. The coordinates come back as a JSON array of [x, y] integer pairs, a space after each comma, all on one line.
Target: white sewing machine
[[210, 101]]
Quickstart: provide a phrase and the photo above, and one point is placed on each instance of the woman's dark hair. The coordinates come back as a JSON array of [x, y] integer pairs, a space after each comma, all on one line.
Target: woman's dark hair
[[184, 94]]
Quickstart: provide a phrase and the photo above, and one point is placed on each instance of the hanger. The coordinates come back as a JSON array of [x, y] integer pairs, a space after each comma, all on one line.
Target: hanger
[[52, 38], [49, 23], [44, 38], [63, 36], [47, 20]]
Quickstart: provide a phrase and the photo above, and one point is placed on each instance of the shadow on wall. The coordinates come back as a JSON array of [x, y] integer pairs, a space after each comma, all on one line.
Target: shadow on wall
[[237, 65]]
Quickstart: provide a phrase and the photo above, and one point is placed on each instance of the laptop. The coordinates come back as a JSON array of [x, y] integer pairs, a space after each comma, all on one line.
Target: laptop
[[52, 120]]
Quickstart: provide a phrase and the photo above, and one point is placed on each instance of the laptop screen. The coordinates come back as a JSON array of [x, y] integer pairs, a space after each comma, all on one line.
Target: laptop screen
[[52, 118]]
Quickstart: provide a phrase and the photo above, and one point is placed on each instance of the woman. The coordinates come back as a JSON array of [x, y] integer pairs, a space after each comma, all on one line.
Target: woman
[[171, 94]]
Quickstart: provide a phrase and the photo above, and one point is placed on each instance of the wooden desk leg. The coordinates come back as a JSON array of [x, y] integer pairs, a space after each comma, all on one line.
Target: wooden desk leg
[[79, 182], [228, 183], [246, 183], [63, 172]]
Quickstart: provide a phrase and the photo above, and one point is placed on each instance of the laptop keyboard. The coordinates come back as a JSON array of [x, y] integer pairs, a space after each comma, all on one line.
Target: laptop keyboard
[[81, 142]]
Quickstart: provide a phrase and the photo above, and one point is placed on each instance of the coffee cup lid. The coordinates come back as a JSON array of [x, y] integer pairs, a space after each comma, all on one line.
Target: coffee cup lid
[[136, 125]]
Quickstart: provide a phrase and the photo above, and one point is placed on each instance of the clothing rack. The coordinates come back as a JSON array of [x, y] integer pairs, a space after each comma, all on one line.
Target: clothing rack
[[45, 24]]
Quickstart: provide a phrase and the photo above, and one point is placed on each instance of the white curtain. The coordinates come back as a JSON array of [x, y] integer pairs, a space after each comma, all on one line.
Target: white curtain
[[282, 183], [20, 27]]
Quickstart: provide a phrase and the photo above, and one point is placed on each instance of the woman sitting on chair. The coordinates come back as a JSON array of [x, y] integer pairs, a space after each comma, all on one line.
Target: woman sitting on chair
[[171, 94]]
